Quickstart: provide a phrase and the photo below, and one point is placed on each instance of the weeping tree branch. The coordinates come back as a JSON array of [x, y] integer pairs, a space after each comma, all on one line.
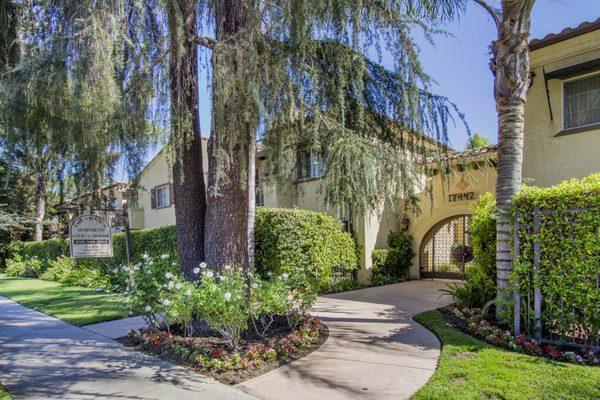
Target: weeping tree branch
[[204, 41], [493, 13]]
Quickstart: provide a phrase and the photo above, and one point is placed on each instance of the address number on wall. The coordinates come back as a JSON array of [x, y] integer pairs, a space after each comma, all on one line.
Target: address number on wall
[[452, 197]]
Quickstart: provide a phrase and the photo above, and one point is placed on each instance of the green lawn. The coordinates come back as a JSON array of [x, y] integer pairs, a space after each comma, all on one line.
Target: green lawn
[[471, 369], [76, 305]]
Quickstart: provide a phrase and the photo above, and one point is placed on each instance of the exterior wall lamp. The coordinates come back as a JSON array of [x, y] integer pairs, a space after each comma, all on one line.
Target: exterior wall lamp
[[404, 224]]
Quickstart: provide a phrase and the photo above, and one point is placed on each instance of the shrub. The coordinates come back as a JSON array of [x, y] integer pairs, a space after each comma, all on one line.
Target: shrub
[[477, 291], [59, 268], [482, 229], [392, 265], [306, 245], [569, 240], [146, 282], [18, 266]]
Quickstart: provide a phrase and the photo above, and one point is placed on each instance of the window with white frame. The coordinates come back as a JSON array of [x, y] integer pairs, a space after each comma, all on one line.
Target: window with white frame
[[582, 102], [162, 195]]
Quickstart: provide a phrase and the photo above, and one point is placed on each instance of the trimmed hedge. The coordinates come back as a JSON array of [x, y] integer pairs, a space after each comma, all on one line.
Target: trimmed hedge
[[569, 238], [287, 241], [391, 265], [300, 243]]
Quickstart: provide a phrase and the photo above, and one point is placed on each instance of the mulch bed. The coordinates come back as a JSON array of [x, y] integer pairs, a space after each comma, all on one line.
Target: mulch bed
[[237, 374]]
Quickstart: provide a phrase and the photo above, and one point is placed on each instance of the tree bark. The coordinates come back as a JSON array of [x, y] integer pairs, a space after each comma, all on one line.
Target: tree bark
[[251, 201], [40, 207], [188, 174], [511, 69], [228, 229]]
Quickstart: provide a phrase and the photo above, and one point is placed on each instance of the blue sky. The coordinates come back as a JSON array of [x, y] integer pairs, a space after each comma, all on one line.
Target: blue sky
[[459, 64]]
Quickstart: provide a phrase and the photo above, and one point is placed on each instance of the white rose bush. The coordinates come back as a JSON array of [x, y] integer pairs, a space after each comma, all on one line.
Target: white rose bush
[[232, 303]]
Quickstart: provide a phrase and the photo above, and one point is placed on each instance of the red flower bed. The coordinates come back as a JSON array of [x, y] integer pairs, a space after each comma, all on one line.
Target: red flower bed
[[473, 322], [213, 355]]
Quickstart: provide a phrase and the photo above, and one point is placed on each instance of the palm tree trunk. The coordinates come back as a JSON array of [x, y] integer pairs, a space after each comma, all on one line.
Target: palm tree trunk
[[511, 118], [188, 174], [511, 69]]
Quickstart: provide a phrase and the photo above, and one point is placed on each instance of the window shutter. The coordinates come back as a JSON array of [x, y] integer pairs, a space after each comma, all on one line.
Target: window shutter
[[171, 194], [153, 198]]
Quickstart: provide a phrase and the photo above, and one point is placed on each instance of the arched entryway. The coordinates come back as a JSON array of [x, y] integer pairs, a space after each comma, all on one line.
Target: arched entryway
[[446, 249]]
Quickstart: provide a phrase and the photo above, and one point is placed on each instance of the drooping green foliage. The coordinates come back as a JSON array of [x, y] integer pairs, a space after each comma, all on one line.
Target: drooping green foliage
[[82, 89], [569, 242]]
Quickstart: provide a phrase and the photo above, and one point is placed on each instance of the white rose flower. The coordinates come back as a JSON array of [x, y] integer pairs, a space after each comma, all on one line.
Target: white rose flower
[[284, 276], [116, 271], [227, 296], [148, 272], [203, 265], [170, 285], [196, 270], [290, 297], [210, 274], [145, 256], [136, 267], [178, 286], [188, 292], [164, 256], [255, 285], [126, 269], [151, 262], [166, 302], [227, 267], [147, 308], [173, 263], [168, 275]]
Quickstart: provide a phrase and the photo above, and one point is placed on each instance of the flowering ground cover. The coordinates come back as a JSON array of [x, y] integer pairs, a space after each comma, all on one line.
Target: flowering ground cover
[[472, 321], [472, 369], [211, 355], [75, 305]]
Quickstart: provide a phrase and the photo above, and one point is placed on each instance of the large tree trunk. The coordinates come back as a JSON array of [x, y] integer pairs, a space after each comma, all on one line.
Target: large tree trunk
[[40, 207], [227, 223], [510, 65], [188, 173]]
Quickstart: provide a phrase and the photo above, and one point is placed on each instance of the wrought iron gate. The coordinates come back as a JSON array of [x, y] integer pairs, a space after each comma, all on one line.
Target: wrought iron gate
[[446, 249]]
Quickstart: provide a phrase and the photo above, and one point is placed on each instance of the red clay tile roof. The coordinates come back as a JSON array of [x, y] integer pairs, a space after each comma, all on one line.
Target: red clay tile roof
[[567, 33]]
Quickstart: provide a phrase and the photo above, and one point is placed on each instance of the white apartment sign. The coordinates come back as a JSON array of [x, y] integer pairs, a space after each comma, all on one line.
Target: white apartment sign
[[91, 237]]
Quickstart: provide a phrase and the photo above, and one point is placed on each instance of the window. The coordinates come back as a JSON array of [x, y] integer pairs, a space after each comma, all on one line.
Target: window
[[161, 196], [582, 102], [310, 165]]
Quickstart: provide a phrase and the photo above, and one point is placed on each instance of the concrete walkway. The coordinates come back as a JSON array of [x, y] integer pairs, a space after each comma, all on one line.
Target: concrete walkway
[[375, 349], [117, 328], [44, 358]]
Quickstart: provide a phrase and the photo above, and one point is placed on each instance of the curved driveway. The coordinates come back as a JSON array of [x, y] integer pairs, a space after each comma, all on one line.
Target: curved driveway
[[375, 349]]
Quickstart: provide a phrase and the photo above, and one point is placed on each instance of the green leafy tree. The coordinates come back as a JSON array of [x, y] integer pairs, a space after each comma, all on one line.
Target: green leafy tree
[[477, 141]]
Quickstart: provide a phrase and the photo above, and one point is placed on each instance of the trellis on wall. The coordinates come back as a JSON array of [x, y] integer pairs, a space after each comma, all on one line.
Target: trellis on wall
[[556, 278]]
